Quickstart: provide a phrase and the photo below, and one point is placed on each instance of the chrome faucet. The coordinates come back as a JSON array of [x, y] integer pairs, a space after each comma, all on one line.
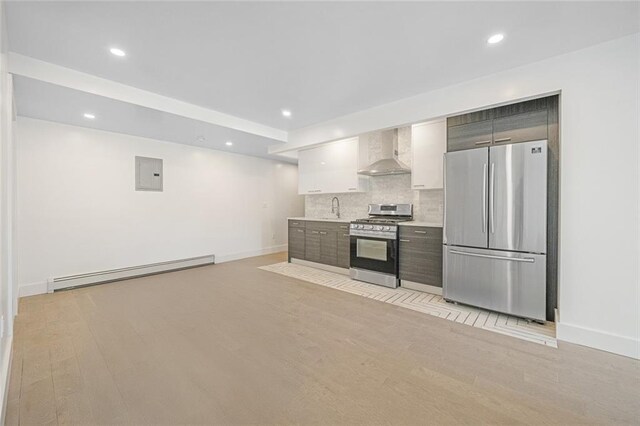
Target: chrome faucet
[[335, 207]]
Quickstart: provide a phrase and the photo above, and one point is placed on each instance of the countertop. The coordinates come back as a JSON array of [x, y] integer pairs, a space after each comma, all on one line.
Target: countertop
[[322, 219], [418, 223], [345, 220]]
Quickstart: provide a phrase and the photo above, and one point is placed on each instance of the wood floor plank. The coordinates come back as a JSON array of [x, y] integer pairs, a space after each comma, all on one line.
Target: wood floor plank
[[233, 344], [37, 403]]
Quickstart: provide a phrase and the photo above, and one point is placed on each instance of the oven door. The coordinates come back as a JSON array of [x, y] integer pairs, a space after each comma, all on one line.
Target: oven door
[[374, 254]]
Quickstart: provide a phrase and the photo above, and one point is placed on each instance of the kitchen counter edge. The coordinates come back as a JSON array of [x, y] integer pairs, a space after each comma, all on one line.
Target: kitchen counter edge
[[317, 219], [342, 220], [423, 224]]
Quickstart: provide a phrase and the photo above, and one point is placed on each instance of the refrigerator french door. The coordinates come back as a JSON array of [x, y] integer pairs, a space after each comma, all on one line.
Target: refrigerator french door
[[495, 228]]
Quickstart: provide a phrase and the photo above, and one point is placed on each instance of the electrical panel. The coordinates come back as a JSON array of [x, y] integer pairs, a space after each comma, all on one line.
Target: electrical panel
[[148, 174]]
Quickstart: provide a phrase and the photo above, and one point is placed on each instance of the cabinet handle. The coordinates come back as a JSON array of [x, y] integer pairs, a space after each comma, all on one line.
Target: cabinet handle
[[483, 142], [314, 190], [502, 140], [323, 233], [314, 232], [415, 186], [344, 226], [488, 256], [295, 223], [300, 230], [403, 240], [346, 235], [420, 232], [352, 189]]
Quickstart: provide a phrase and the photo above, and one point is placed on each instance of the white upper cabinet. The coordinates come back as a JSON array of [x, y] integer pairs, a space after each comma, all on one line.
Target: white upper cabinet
[[428, 145], [331, 168]]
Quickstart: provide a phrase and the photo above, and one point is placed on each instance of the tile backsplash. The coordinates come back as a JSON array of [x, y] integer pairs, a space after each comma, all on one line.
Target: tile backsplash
[[427, 204]]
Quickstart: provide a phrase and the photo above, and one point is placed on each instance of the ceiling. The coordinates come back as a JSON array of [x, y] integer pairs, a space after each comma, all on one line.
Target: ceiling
[[320, 60], [36, 99]]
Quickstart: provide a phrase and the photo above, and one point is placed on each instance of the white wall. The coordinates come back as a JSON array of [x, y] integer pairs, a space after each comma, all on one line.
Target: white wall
[[77, 210], [599, 235], [8, 295]]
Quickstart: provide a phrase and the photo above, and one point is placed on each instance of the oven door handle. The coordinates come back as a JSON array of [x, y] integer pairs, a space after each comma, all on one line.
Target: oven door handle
[[356, 234]]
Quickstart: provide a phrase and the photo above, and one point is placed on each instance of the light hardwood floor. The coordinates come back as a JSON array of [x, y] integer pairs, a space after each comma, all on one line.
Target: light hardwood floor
[[233, 344]]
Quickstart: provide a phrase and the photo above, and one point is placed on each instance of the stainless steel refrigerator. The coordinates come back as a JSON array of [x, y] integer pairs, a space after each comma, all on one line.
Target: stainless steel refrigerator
[[495, 228]]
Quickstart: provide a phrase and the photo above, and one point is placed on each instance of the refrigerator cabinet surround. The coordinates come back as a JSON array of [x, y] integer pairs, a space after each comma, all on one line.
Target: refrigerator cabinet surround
[[508, 282]]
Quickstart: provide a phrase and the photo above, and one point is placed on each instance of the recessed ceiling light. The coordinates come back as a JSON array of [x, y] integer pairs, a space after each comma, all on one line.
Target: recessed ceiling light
[[117, 52], [89, 115], [228, 143], [286, 113], [496, 38]]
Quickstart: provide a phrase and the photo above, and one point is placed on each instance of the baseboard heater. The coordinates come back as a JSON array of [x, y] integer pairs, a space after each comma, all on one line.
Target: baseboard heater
[[127, 273]]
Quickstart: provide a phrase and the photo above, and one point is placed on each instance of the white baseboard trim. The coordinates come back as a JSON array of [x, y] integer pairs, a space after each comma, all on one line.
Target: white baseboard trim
[[42, 287], [245, 254], [322, 266], [421, 287], [5, 373], [597, 339], [32, 289], [128, 272]]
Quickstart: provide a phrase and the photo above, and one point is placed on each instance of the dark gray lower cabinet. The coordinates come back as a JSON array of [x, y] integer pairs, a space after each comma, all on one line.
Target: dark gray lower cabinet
[[312, 244], [296, 243], [320, 242], [420, 255], [329, 246], [344, 247], [296, 239]]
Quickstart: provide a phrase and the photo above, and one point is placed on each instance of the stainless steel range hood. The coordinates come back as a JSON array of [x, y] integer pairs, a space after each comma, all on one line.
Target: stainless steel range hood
[[389, 164]]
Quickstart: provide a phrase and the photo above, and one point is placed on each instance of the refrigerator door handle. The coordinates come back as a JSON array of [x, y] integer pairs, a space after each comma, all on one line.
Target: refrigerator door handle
[[492, 191], [444, 198], [488, 256], [484, 199]]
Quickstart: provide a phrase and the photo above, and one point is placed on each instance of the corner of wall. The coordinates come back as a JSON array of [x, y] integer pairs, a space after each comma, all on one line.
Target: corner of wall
[[32, 289], [597, 339]]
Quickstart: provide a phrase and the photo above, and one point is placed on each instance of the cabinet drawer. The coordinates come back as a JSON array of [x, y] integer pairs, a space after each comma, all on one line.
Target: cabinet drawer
[[468, 136], [530, 126], [420, 232], [322, 226], [293, 223]]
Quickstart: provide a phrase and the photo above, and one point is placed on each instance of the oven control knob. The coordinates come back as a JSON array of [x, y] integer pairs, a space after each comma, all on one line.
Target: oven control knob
[[368, 227], [387, 228]]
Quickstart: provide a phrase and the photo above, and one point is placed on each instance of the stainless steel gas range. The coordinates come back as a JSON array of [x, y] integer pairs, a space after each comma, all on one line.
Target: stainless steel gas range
[[374, 244]]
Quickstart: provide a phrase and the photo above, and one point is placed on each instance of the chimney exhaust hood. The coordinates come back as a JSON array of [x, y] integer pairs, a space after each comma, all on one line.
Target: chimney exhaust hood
[[389, 165]]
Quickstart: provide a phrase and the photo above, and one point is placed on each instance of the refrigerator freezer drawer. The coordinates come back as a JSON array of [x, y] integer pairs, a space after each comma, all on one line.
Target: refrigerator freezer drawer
[[512, 283]]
